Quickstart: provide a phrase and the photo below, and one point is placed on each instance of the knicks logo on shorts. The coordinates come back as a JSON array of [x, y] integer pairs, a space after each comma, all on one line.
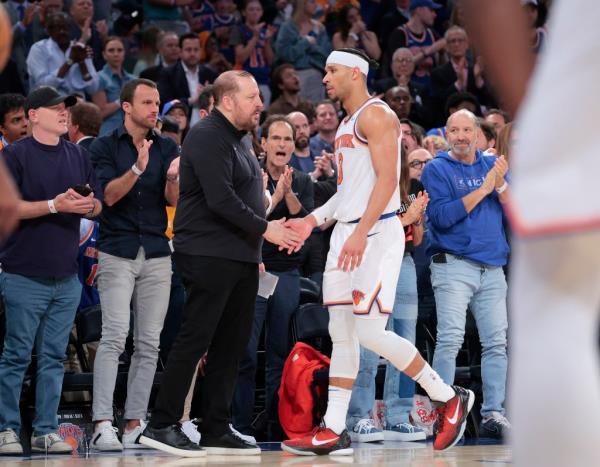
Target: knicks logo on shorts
[[357, 296]]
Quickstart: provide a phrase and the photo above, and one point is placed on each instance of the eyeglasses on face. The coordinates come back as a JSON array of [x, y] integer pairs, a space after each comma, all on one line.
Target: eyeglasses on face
[[417, 164]]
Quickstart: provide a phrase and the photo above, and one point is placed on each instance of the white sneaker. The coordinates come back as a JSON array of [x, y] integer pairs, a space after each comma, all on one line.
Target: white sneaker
[[131, 439], [190, 430], [365, 431], [247, 438], [10, 442], [105, 438], [50, 443]]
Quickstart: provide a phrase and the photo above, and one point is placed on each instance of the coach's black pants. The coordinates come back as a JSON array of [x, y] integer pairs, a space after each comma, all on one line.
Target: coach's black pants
[[217, 317]]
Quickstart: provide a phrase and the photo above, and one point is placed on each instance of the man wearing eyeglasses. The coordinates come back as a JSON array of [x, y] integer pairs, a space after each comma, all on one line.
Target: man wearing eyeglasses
[[416, 162]]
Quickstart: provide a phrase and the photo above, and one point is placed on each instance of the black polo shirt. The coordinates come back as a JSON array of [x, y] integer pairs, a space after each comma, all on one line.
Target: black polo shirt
[[139, 218], [220, 212]]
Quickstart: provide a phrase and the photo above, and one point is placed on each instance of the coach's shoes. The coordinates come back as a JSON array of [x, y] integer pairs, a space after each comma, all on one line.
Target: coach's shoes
[[452, 419], [172, 440], [105, 438], [10, 444], [365, 431], [228, 444], [321, 442], [494, 426], [51, 443]]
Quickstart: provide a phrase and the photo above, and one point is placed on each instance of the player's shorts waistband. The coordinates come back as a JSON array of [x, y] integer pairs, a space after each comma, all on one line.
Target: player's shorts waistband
[[383, 216]]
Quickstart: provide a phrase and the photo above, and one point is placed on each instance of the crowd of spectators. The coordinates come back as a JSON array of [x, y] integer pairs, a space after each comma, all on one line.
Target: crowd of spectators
[[141, 72]]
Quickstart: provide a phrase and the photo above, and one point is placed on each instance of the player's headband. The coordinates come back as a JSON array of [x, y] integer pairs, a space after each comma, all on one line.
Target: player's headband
[[337, 57]]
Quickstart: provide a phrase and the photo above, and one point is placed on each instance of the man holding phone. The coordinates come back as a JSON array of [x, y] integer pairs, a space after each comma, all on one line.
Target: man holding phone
[[38, 275]]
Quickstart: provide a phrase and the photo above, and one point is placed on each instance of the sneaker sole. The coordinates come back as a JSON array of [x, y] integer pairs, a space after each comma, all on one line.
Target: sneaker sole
[[135, 446], [216, 451], [366, 437], [106, 449], [152, 443], [50, 451], [298, 452], [390, 435], [464, 424]]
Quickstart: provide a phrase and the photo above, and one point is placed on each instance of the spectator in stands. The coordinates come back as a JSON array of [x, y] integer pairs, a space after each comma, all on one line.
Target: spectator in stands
[[220, 24], [82, 29], [179, 112], [13, 121], [287, 83], [505, 141], [39, 281], [416, 162], [326, 122], [168, 54], [411, 136], [435, 144], [206, 101], [458, 75], [284, 10], [456, 102], [185, 79], [303, 42], [403, 67], [486, 136], [498, 118], [85, 120], [166, 14], [212, 56], [418, 36], [170, 129], [127, 27], [253, 48], [399, 389], [402, 103], [56, 62], [148, 55], [134, 257], [468, 248], [399, 15], [538, 35], [198, 14], [292, 196], [112, 79], [352, 32]]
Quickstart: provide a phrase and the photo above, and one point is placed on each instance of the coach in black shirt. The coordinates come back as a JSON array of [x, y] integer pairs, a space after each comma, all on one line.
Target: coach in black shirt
[[219, 226]]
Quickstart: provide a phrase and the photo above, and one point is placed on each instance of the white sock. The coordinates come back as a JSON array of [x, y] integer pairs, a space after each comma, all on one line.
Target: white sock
[[435, 387], [337, 408]]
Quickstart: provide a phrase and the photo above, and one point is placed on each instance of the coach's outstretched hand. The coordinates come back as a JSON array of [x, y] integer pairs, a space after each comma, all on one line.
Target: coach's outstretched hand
[[303, 227], [279, 234]]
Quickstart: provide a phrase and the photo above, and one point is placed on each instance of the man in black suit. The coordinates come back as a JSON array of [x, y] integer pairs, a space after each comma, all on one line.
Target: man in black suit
[[460, 74], [168, 51], [84, 124], [185, 79]]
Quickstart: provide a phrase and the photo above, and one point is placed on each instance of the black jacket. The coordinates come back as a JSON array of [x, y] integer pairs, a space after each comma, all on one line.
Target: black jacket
[[172, 83]]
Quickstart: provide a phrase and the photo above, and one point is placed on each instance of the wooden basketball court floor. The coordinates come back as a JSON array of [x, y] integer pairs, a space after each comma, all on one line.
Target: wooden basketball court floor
[[375, 455]]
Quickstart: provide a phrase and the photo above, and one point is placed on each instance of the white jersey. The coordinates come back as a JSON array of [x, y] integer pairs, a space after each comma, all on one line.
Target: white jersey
[[356, 175], [555, 163]]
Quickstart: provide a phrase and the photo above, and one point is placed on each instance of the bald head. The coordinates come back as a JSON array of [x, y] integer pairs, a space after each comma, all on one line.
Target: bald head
[[462, 113], [416, 162], [228, 84]]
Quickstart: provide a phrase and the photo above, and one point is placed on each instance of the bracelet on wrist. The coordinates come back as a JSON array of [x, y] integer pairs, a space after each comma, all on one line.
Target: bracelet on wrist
[[503, 188], [135, 170], [52, 207]]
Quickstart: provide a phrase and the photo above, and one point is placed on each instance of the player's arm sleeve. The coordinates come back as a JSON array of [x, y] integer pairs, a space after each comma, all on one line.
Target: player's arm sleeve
[[327, 211]]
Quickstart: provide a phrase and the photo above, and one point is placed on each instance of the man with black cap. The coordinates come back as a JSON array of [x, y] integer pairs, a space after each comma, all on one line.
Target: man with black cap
[[38, 279]]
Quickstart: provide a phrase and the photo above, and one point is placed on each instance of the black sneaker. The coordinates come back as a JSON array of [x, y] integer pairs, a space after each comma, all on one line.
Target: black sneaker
[[495, 426], [228, 444], [172, 440]]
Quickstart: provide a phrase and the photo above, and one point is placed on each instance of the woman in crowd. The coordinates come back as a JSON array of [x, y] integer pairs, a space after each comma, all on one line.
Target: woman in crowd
[[112, 79], [352, 32], [303, 42]]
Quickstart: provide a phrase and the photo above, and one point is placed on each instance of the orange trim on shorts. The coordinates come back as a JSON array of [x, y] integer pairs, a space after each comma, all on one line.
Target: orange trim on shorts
[[381, 309], [371, 302], [564, 227], [342, 302]]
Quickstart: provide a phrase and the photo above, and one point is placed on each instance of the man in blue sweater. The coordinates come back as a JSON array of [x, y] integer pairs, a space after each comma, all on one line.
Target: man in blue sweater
[[468, 248]]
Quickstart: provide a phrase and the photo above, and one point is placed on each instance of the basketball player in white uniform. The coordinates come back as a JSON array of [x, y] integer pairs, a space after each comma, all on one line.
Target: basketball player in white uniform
[[555, 213], [364, 261]]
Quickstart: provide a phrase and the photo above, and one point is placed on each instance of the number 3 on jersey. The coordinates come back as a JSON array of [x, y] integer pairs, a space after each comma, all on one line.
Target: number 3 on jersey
[[340, 178]]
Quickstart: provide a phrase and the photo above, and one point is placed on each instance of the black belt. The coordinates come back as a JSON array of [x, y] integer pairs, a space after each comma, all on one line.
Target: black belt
[[440, 258]]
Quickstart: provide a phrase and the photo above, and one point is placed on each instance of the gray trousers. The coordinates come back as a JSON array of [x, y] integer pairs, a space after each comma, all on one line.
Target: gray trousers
[[148, 283]]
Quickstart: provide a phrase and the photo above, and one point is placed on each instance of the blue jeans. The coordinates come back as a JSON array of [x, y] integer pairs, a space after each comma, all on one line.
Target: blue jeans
[[39, 314], [460, 284], [399, 389], [277, 311]]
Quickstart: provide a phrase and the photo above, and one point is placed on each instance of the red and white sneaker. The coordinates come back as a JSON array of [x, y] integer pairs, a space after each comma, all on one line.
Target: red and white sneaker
[[321, 442], [452, 419]]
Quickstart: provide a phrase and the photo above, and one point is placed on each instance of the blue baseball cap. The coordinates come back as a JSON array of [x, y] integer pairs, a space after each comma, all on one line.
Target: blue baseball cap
[[428, 3], [174, 104]]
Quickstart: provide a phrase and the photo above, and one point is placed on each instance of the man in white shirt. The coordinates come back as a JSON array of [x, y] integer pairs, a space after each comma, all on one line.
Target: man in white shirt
[[58, 62]]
